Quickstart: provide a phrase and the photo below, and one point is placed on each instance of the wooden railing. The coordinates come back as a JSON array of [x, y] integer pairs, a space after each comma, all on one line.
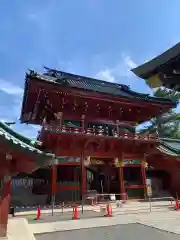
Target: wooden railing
[[101, 132]]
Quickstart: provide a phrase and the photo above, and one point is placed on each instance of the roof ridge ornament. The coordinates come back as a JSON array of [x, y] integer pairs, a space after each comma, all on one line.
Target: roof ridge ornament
[[58, 73], [31, 73]]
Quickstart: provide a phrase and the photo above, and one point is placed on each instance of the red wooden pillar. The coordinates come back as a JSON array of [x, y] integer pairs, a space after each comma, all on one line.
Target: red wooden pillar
[[83, 167], [54, 178], [117, 127], [60, 119], [59, 116], [107, 183], [83, 174], [122, 187], [83, 180], [4, 205], [143, 175], [119, 164]]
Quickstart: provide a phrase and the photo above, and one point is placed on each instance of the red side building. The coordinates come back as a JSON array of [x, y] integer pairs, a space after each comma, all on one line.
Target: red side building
[[92, 123], [18, 154]]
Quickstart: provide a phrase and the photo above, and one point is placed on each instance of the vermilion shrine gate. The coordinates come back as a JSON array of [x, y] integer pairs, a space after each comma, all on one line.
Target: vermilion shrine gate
[[92, 119], [81, 118]]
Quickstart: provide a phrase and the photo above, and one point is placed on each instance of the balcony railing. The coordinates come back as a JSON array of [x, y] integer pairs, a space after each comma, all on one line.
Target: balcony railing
[[99, 131]]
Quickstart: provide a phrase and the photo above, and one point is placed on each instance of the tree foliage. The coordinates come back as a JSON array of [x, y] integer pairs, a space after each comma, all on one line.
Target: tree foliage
[[165, 125]]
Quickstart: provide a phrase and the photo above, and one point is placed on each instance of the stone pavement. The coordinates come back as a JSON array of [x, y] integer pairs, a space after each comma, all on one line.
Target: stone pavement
[[123, 232], [167, 221]]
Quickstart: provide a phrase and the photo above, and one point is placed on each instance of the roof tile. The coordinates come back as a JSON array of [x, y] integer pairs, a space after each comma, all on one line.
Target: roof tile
[[64, 79], [21, 141]]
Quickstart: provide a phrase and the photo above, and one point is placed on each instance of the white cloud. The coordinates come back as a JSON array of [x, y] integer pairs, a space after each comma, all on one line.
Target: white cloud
[[106, 75], [130, 63], [120, 70], [10, 88], [10, 110]]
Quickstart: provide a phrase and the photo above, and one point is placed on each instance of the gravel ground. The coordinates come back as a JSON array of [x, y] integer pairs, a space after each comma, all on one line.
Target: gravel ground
[[123, 232]]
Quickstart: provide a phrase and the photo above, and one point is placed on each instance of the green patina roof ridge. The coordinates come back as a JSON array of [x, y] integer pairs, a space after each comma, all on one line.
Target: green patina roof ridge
[[170, 149], [20, 140], [21, 137]]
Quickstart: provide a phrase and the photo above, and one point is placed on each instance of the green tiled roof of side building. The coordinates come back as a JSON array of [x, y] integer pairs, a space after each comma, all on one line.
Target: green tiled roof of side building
[[170, 146], [25, 145]]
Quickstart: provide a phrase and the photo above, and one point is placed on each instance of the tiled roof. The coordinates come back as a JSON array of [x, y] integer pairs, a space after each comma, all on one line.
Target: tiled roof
[[64, 79], [151, 67], [170, 147], [22, 143]]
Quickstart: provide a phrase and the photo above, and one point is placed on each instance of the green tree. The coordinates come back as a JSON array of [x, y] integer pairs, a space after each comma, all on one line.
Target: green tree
[[165, 125]]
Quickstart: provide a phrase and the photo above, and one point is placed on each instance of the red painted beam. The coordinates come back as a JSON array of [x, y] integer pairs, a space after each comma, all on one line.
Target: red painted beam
[[55, 96], [134, 186], [4, 207]]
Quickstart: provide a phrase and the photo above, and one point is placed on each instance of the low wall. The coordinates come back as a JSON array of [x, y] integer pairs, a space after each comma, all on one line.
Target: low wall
[[18, 229], [30, 192]]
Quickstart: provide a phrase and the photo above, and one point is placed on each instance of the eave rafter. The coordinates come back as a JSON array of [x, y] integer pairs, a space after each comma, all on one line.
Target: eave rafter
[[60, 87]]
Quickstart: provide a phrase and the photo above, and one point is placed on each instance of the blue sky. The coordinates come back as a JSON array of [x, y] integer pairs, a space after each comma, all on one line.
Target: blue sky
[[97, 38]]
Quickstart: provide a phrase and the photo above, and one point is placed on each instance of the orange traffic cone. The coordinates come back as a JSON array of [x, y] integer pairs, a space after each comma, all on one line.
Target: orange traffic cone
[[108, 210], [75, 213], [177, 205], [38, 215]]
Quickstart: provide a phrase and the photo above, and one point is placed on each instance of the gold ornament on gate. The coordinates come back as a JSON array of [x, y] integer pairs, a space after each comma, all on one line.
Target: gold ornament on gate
[[118, 163], [144, 164], [87, 161]]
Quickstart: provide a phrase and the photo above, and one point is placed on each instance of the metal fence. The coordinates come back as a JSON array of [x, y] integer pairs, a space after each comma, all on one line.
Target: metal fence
[[112, 198], [23, 198], [27, 182], [128, 206], [32, 192]]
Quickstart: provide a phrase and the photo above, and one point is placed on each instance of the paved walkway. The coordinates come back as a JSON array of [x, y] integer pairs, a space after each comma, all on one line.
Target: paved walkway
[[161, 217], [168, 221], [123, 232]]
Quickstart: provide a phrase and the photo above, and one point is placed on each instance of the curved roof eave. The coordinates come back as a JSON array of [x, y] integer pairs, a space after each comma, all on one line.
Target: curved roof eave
[[158, 61], [170, 147], [167, 152], [104, 87], [23, 143]]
